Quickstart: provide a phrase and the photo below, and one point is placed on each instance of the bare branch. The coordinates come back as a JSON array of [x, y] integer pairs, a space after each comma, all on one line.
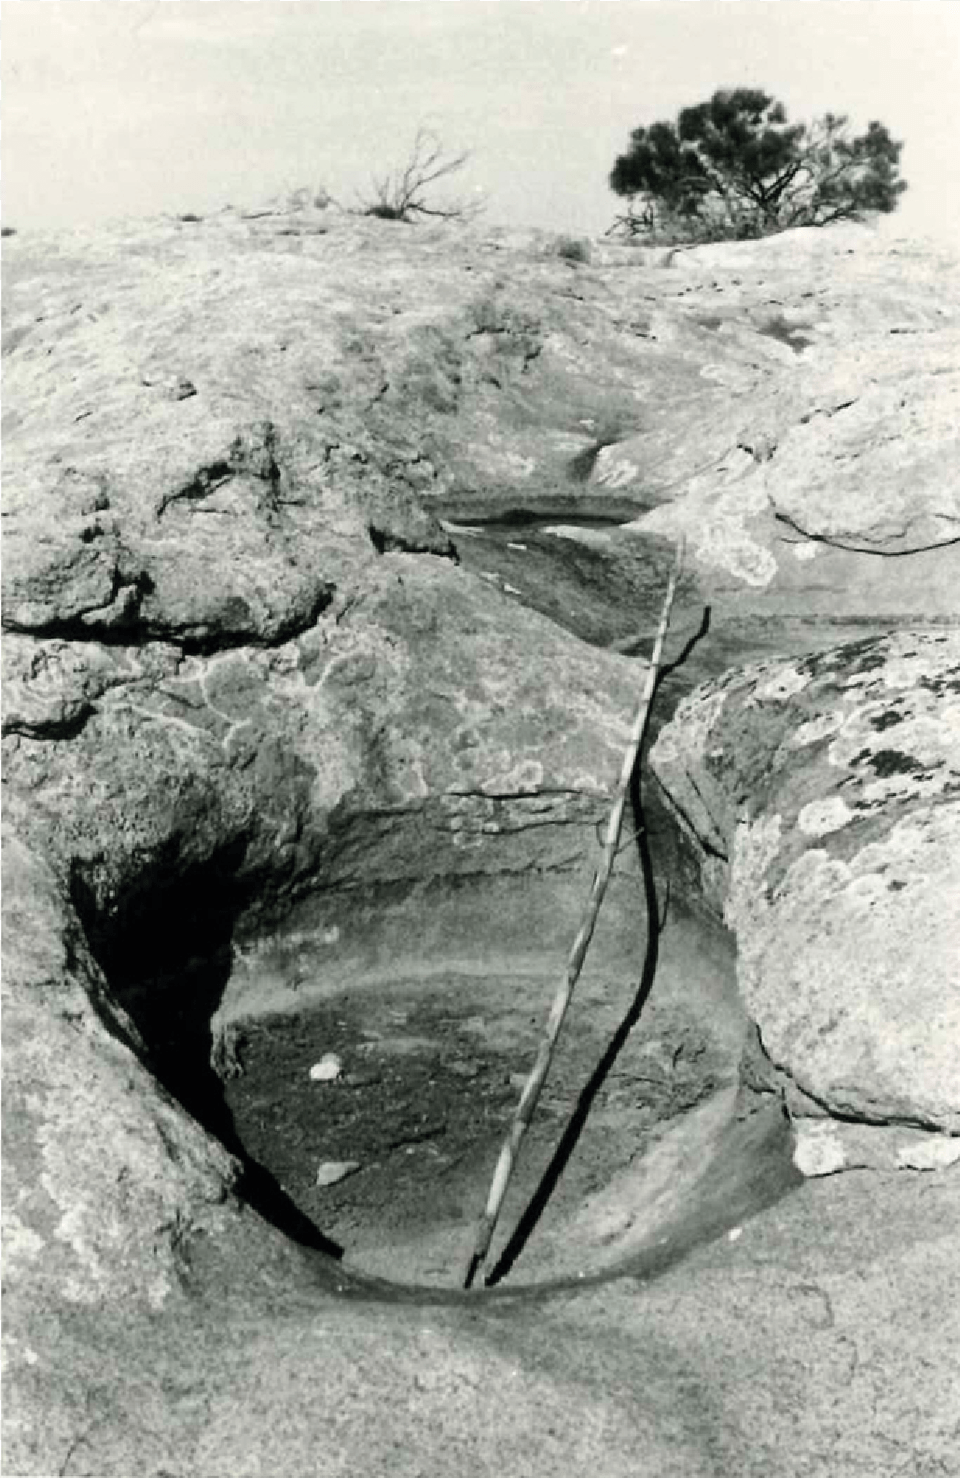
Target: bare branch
[[401, 195]]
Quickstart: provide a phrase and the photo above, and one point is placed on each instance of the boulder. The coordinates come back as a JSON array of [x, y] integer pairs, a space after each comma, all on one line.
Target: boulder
[[822, 794]]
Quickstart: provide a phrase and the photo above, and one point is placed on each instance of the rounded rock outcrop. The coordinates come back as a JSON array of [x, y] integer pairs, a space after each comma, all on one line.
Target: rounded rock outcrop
[[824, 797]]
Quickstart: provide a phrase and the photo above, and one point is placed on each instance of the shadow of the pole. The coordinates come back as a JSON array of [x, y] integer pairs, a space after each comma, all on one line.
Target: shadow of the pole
[[655, 925]]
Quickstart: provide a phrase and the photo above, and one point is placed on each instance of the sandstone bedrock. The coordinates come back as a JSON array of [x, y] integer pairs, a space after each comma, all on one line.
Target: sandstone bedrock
[[333, 552]]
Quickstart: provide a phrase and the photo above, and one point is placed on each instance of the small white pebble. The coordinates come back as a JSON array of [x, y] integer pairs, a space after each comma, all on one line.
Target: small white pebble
[[327, 1069], [935, 1152], [818, 1150], [333, 1170]]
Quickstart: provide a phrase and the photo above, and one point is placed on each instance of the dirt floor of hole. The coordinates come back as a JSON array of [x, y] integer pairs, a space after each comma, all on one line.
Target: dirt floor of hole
[[391, 1157]]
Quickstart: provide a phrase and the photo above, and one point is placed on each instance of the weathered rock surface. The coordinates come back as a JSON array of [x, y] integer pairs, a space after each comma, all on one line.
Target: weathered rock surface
[[847, 442], [274, 727], [214, 659], [824, 795], [107, 1180], [794, 416], [379, 746]]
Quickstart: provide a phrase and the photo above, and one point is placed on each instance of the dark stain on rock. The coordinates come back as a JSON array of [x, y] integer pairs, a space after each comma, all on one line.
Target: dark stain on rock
[[870, 662], [235, 614], [863, 655], [887, 720], [893, 762], [777, 327], [941, 684]]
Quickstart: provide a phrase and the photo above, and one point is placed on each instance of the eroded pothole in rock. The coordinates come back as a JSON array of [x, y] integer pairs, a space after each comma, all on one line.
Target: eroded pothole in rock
[[386, 1161], [391, 1157], [427, 1086]]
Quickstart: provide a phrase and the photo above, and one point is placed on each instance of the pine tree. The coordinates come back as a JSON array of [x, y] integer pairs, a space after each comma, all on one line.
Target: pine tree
[[734, 167]]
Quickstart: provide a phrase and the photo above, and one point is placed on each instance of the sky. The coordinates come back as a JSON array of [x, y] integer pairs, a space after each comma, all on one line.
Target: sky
[[139, 107]]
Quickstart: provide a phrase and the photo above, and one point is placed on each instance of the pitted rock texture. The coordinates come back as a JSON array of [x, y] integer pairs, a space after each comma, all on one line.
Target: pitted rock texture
[[381, 745], [305, 395], [237, 639], [825, 797], [257, 696], [847, 441]]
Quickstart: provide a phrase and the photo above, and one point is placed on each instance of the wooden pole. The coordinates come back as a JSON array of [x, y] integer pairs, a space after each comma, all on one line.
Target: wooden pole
[[538, 1074]]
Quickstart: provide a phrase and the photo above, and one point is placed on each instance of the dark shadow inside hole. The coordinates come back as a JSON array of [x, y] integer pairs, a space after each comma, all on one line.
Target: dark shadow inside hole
[[167, 955]]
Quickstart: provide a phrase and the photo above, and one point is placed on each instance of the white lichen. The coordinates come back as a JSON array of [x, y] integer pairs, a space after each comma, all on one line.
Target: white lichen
[[784, 683], [820, 817]]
